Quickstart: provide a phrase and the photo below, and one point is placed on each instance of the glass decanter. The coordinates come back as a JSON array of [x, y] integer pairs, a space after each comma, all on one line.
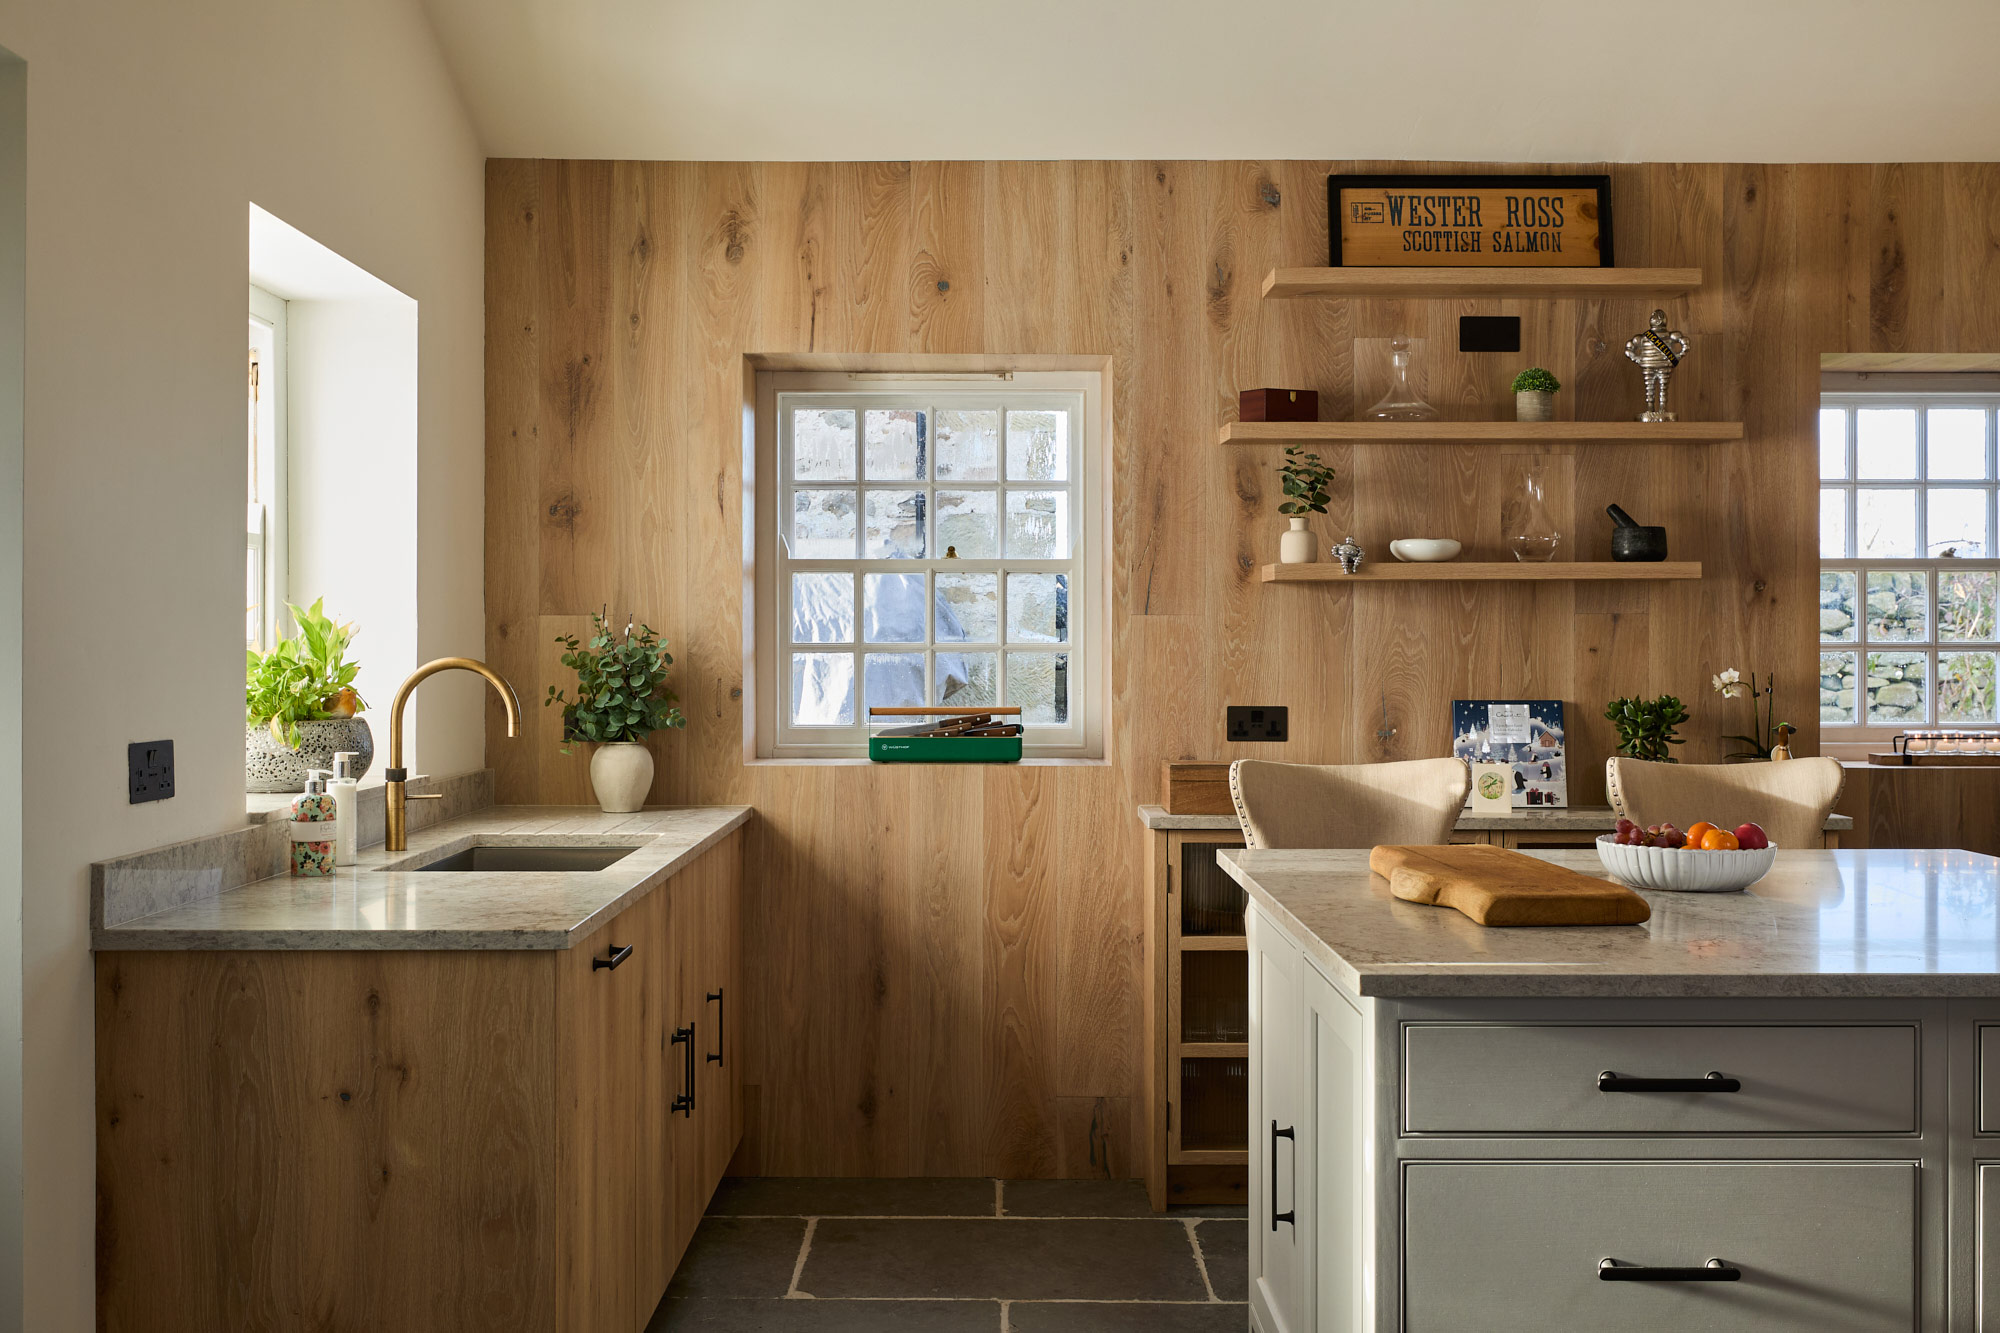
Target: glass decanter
[[1402, 402], [1531, 533]]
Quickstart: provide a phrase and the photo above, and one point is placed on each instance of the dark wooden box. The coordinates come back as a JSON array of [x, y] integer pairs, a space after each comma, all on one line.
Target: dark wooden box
[[1278, 405], [1195, 789]]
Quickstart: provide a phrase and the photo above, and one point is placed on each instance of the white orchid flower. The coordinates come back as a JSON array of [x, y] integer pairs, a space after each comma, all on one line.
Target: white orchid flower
[[1730, 684]]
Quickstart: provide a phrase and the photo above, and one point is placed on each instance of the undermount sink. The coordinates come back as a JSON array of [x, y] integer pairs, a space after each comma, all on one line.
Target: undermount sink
[[504, 857]]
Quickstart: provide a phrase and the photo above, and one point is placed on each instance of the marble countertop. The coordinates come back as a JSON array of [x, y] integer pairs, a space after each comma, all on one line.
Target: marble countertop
[[377, 905], [1576, 818], [1822, 923]]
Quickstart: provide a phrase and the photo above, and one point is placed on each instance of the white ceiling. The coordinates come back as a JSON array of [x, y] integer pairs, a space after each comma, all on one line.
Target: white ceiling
[[1478, 80]]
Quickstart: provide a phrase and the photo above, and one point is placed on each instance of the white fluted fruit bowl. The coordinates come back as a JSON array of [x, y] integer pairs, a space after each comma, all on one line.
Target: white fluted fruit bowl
[[1678, 870]]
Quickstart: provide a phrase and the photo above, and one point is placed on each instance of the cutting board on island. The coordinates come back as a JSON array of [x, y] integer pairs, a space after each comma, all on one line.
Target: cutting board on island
[[1496, 887]]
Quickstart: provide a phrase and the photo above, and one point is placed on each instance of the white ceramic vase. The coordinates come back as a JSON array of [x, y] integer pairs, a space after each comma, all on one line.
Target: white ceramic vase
[[1297, 547], [621, 773], [1534, 405]]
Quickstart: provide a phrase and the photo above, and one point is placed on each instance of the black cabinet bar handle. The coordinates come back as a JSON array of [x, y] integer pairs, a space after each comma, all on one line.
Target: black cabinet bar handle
[[1290, 1214], [618, 956], [715, 998], [1712, 1082], [1610, 1270], [685, 1102]]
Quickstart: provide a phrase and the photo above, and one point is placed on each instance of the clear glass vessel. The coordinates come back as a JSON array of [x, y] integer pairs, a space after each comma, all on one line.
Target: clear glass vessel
[[1401, 403], [1531, 532]]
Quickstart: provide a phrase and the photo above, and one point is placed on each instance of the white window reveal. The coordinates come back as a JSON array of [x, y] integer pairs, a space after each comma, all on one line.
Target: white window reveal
[[265, 544], [930, 542], [1909, 604]]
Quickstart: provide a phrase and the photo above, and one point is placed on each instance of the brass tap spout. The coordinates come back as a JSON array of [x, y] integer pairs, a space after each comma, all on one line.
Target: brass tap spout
[[396, 775]]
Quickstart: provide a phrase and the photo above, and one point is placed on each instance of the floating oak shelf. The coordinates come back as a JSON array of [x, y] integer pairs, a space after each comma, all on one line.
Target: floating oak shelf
[[1454, 283], [1481, 432], [1473, 571]]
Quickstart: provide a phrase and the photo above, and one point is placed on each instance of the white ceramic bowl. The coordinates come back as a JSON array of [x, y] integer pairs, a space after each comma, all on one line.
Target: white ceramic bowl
[[1683, 871], [1424, 548]]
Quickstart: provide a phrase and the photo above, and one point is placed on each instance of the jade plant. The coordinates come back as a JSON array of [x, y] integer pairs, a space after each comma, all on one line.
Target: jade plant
[[306, 678], [1536, 380], [1305, 478], [621, 686], [1646, 726]]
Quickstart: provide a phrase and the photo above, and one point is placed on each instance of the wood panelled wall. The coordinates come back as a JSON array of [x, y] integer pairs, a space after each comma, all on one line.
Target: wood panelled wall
[[943, 963]]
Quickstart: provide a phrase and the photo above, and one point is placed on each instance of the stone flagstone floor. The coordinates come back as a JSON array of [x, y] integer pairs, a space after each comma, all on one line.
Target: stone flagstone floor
[[941, 1256]]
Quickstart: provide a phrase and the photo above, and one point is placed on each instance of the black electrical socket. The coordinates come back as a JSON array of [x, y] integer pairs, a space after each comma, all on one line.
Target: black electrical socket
[[1256, 722], [150, 770]]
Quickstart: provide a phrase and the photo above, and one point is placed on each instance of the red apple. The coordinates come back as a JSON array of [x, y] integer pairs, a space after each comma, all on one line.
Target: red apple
[[1751, 838]]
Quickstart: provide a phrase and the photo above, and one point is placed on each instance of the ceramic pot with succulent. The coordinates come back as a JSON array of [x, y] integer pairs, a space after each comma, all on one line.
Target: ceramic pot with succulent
[[1535, 395], [301, 706], [621, 698], [1305, 479]]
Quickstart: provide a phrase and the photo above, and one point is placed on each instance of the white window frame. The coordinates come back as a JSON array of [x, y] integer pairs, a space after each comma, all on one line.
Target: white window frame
[[1861, 729], [1080, 393], [266, 527]]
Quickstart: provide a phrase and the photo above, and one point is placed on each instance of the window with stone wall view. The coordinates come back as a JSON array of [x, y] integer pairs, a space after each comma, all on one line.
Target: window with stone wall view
[[1909, 600]]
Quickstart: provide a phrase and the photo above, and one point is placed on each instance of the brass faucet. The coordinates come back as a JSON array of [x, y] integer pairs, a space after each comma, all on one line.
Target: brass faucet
[[396, 775]]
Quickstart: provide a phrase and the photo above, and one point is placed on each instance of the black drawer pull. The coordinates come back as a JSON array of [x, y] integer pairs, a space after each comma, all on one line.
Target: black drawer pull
[[618, 956], [685, 1102], [1610, 1270], [1712, 1082], [1291, 1214], [715, 998]]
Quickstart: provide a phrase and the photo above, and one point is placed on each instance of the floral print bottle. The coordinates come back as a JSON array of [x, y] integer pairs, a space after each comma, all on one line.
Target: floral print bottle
[[314, 827]]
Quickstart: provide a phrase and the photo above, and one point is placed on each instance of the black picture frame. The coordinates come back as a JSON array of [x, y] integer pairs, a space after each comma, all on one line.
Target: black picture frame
[[1601, 184]]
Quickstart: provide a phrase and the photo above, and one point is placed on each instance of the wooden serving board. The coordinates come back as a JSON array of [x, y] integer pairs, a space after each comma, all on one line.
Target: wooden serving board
[[1496, 887]]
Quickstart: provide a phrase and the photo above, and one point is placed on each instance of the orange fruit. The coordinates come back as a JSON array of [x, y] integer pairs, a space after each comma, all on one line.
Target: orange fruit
[[1698, 831], [1718, 840]]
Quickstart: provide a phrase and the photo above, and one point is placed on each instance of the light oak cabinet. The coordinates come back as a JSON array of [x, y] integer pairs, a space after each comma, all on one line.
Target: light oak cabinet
[[419, 1141]]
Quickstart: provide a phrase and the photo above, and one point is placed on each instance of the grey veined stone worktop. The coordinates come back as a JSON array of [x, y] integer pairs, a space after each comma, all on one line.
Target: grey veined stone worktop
[[1823, 923], [375, 905]]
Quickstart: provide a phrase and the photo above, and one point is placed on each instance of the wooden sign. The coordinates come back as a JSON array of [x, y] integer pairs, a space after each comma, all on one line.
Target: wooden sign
[[1470, 221]]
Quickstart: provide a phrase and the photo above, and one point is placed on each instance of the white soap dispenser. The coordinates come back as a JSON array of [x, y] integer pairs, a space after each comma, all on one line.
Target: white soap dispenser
[[346, 792]]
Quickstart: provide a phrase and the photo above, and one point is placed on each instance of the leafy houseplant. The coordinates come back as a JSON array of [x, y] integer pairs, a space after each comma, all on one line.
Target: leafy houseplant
[[1646, 726], [299, 705], [621, 698], [1305, 478], [1764, 725], [1534, 395]]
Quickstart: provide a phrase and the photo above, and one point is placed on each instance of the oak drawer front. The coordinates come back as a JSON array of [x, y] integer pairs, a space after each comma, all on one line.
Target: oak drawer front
[[1504, 1246], [1465, 1078]]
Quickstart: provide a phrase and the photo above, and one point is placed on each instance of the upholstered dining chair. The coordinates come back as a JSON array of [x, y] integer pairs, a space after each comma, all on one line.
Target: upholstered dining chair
[[1789, 800], [1408, 802]]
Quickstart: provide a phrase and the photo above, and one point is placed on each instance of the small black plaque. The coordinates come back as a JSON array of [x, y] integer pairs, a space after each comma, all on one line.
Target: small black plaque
[[1489, 333]]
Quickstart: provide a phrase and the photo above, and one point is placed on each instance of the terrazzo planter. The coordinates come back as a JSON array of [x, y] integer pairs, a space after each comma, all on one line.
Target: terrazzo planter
[[268, 766], [621, 773]]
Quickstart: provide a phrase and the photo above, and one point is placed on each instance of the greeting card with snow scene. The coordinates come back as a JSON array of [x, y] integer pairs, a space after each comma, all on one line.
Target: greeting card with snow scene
[[1526, 734]]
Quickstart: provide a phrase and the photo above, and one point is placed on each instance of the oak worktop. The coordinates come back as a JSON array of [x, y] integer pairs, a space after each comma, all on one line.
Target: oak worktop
[[378, 904], [1874, 923]]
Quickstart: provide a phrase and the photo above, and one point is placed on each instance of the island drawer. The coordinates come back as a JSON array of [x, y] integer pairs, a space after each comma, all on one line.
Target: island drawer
[[1544, 1078], [1503, 1246]]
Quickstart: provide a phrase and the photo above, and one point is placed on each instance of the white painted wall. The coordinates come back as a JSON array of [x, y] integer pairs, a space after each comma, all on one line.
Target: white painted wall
[[1472, 80], [151, 129]]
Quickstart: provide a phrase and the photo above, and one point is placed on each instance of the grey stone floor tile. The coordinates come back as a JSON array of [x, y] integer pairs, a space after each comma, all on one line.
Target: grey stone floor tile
[[1207, 1210], [841, 1196], [781, 1316], [1053, 1259], [1077, 1198], [1076, 1317], [1225, 1250], [740, 1256]]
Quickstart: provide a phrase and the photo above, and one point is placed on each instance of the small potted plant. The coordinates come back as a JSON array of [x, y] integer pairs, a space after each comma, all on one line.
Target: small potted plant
[[1305, 479], [621, 698], [1535, 395], [1646, 726], [300, 705], [1770, 735]]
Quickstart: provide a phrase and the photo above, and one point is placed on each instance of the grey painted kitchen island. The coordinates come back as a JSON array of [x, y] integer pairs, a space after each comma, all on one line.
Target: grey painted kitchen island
[[1763, 1110]]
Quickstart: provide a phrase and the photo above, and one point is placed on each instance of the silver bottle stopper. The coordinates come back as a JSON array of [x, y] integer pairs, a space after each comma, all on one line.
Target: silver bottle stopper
[[1349, 555], [316, 780], [344, 762]]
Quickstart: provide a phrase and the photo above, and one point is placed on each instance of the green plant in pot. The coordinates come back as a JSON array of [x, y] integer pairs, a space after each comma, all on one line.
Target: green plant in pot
[[621, 698], [1646, 726], [1535, 395], [300, 705], [1305, 478]]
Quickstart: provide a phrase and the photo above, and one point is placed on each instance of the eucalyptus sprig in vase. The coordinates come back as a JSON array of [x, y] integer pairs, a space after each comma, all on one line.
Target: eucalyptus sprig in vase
[[1305, 479], [621, 698]]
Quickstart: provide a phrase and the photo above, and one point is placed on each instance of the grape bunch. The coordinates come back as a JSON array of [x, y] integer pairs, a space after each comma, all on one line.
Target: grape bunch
[[1653, 835]]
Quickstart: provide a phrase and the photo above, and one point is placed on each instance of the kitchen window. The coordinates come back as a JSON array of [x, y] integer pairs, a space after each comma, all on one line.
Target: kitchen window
[[930, 542], [266, 536], [1909, 603]]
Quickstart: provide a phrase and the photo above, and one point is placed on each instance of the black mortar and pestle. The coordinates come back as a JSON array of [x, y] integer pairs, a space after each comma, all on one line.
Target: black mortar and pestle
[[1632, 540]]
